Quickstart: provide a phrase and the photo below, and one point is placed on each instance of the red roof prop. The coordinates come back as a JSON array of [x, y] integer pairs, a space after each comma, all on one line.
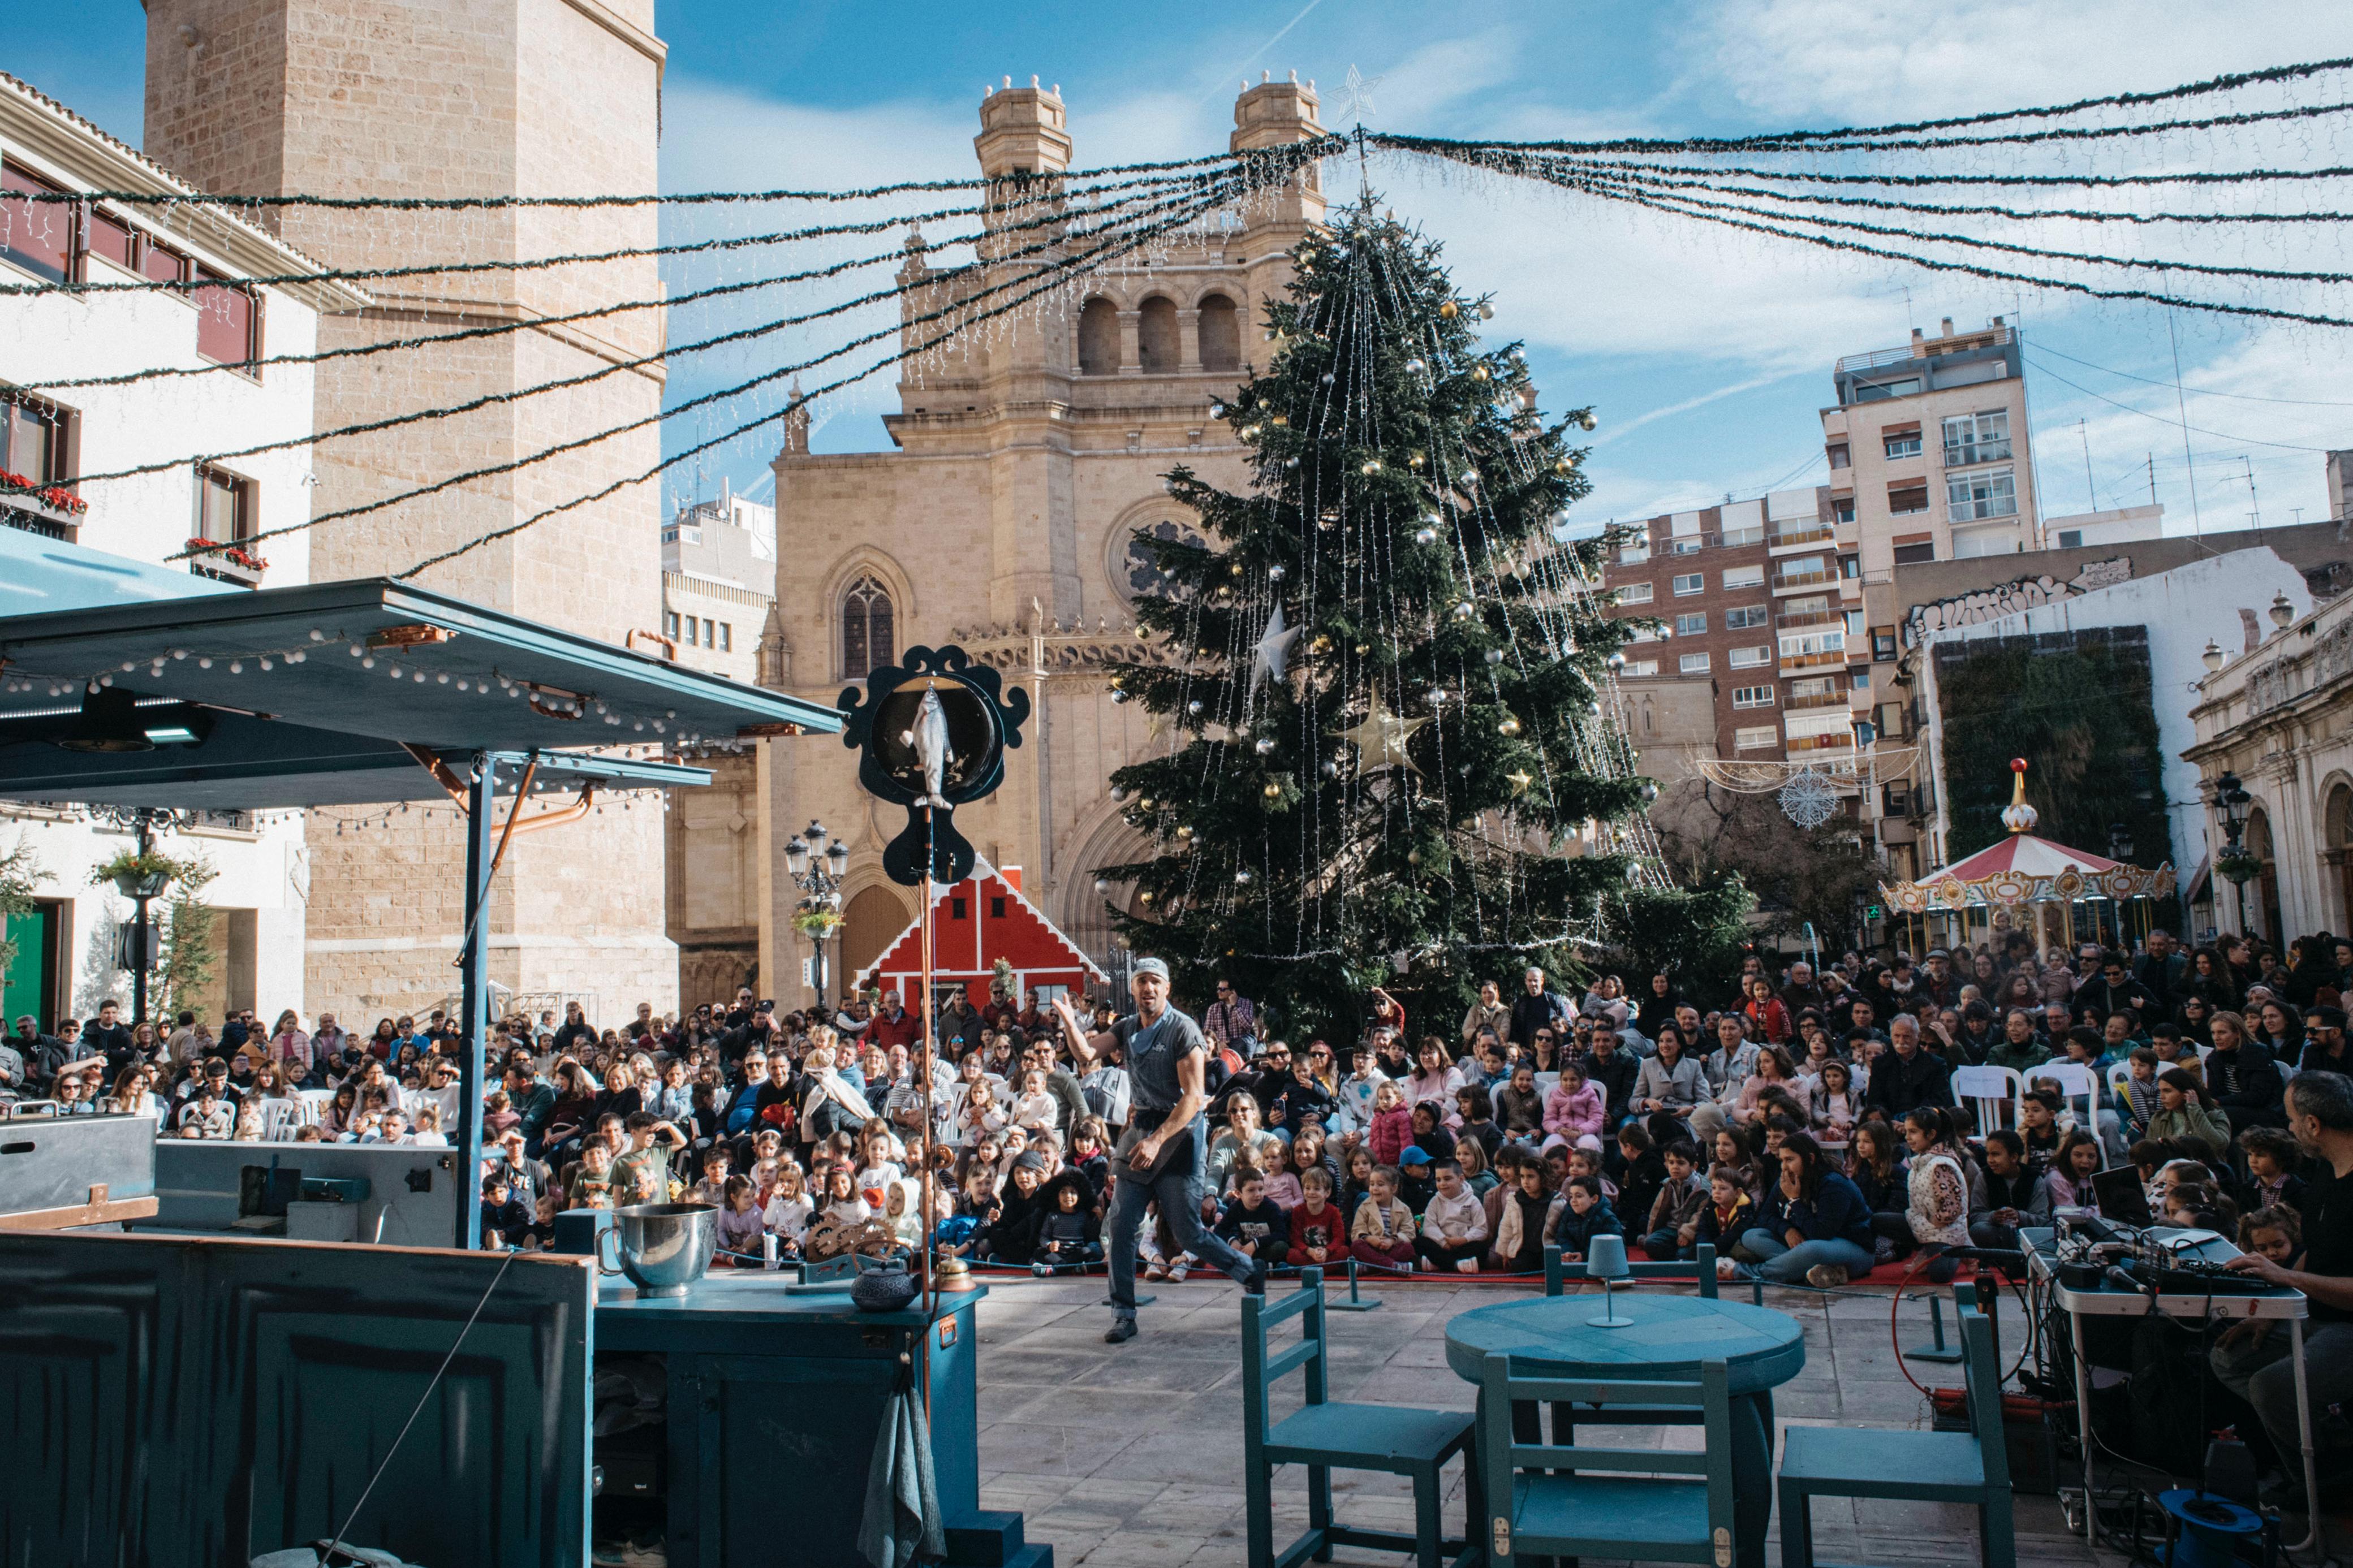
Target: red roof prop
[[975, 922]]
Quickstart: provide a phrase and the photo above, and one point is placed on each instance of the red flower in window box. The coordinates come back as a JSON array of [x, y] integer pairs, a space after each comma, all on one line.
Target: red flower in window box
[[56, 498], [230, 552]]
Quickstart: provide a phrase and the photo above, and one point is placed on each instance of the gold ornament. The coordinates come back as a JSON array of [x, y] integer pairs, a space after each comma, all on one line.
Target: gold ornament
[[1415, 460], [1185, 832], [1281, 421], [1519, 781], [1273, 792], [1450, 310], [1321, 644], [1510, 725], [1381, 738], [1478, 373]]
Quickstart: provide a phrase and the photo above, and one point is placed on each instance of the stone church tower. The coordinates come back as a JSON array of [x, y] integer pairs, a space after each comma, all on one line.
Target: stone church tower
[[1027, 454], [486, 98]]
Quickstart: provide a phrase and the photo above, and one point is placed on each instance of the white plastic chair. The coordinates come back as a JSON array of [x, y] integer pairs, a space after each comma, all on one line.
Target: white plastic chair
[[2119, 1076], [2075, 1081], [279, 1117], [1987, 1088]]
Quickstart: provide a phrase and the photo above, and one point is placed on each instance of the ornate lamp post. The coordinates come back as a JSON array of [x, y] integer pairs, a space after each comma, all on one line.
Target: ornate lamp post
[[820, 885], [2231, 799], [143, 883]]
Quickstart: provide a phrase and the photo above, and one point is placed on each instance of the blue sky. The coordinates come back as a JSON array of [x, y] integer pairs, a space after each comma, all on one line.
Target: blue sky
[[1706, 354]]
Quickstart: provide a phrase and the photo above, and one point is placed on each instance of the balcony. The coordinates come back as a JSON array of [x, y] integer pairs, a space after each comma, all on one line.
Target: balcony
[[1818, 700], [1842, 742], [1789, 581], [1961, 454], [1983, 509], [1793, 663], [1805, 533], [1812, 618], [1735, 537]]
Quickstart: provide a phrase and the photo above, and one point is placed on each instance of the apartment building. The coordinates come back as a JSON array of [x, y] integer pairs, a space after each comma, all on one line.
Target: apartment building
[[209, 319], [1762, 600], [719, 576]]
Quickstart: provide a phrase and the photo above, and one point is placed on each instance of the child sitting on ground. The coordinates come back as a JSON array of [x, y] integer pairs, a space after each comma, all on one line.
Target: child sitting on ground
[[788, 1212], [712, 1188], [1730, 1214], [1252, 1224], [1453, 1224], [1392, 1125], [1318, 1228], [1641, 1170], [740, 1226], [1382, 1234], [2271, 1182], [1673, 1228], [2139, 1100], [591, 1187], [1579, 1214], [1069, 1235], [1520, 1229]]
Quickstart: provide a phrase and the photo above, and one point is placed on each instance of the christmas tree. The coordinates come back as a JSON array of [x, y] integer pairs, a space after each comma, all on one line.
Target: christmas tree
[[1392, 758]]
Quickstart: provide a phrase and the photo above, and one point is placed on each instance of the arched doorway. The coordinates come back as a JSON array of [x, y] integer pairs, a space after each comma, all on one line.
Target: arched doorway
[[2336, 826], [2266, 915], [869, 921]]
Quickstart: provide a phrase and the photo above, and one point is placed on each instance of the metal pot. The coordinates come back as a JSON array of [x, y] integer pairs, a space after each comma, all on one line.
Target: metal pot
[[663, 1248]]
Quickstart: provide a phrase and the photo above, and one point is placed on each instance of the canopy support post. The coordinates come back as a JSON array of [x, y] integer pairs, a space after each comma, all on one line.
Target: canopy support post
[[474, 1026]]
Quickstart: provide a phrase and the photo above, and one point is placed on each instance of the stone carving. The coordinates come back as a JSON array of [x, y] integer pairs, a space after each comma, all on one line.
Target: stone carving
[[2009, 598]]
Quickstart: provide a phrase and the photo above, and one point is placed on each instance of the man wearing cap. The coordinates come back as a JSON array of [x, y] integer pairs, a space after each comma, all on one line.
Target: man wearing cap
[[1939, 984], [1160, 1156]]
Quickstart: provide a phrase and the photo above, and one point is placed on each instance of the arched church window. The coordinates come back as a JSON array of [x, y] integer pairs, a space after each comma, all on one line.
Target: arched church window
[[1221, 333], [1098, 337], [868, 636], [1138, 574], [1155, 335]]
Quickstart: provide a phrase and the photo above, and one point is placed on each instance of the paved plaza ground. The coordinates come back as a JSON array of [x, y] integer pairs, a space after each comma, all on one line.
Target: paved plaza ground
[[1131, 1457]]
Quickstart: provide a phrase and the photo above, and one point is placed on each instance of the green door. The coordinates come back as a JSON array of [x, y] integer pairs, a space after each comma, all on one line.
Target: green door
[[30, 984]]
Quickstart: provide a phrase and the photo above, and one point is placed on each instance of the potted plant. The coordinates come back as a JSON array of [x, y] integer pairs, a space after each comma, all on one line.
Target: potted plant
[[137, 873], [2239, 867], [817, 924]]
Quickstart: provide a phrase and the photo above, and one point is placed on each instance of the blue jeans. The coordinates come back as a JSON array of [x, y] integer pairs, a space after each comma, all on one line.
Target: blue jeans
[[1784, 1265], [1663, 1246], [1179, 1193]]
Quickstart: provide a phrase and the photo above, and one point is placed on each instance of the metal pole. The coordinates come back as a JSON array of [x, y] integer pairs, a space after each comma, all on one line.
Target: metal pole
[[141, 957], [474, 1030], [924, 1055]]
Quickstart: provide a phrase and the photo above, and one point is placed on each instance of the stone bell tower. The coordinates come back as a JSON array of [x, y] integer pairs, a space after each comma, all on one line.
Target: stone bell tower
[[472, 97]]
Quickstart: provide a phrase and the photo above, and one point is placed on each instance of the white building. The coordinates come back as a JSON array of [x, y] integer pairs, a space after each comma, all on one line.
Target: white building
[[718, 578], [56, 431]]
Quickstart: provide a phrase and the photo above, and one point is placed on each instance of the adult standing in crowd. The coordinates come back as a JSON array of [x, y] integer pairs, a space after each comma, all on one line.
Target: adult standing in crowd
[[1535, 1007], [1231, 1021], [1161, 1159]]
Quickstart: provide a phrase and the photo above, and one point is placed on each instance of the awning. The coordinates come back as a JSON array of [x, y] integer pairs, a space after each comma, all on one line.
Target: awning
[[39, 575], [316, 695]]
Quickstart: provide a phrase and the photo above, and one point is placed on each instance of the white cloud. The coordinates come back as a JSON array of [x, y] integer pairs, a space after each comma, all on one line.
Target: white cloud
[[1862, 60]]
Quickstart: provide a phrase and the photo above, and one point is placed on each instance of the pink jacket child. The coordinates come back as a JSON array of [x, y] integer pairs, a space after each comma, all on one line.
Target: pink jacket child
[[1391, 1134], [1573, 1117]]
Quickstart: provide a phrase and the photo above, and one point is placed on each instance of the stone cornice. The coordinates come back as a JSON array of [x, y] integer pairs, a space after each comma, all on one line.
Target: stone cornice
[[1054, 649]]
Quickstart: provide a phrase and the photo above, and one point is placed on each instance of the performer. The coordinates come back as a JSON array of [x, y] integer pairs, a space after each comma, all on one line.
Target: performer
[[1161, 1155]]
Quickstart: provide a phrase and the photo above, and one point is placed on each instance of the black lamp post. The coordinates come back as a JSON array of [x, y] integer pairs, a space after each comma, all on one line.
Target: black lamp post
[[142, 888], [2120, 849], [821, 886], [2231, 799]]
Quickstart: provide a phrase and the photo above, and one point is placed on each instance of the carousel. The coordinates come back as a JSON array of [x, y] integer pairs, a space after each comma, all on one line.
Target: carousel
[[2029, 884]]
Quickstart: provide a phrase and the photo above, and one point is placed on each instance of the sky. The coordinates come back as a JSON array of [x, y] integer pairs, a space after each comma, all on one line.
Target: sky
[[1706, 354]]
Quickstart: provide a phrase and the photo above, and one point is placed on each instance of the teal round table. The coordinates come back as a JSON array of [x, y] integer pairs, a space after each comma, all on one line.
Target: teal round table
[[1552, 1336]]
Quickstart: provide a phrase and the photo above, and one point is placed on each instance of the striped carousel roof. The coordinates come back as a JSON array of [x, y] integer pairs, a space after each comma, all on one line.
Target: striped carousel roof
[[2026, 854]]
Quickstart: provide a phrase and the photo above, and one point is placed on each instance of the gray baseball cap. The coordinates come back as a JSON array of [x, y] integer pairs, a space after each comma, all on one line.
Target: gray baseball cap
[[1144, 966]]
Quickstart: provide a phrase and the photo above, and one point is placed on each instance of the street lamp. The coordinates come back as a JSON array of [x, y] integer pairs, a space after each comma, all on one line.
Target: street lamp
[[820, 885], [2282, 612], [2231, 799]]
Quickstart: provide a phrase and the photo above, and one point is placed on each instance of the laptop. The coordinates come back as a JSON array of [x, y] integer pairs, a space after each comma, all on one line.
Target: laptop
[[2122, 1198]]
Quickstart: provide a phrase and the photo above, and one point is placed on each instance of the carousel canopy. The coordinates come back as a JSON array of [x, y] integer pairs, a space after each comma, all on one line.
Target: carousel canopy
[[2026, 869]]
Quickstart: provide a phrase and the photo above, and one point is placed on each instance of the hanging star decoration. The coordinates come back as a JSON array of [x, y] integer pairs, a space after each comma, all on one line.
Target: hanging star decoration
[[1272, 654], [1355, 97], [1380, 739], [1520, 780]]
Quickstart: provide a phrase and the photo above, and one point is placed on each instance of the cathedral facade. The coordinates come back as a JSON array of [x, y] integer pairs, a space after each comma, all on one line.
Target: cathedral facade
[[1027, 454]]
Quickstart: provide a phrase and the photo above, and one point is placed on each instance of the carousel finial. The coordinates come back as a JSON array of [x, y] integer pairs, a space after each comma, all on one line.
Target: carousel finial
[[2019, 817]]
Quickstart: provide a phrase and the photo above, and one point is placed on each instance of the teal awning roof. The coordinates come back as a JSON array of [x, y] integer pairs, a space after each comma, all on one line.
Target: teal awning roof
[[39, 575], [324, 724]]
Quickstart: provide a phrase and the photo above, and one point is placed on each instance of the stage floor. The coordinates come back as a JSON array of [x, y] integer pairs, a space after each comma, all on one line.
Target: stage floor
[[1131, 1457]]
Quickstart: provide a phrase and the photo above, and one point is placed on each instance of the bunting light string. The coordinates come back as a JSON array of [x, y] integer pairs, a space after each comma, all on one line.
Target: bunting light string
[[609, 368], [670, 301], [589, 258], [1478, 152], [1055, 278], [1322, 147], [2020, 215]]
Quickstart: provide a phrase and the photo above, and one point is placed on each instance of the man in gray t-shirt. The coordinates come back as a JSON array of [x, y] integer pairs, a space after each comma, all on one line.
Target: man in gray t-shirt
[[1161, 1156]]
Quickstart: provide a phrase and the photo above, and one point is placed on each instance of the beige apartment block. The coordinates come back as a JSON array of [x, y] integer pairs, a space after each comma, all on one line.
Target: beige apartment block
[[1028, 452], [482, 98]]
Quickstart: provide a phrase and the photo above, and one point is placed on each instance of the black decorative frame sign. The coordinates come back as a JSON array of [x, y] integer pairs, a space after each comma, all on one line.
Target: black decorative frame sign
[[931, 733]]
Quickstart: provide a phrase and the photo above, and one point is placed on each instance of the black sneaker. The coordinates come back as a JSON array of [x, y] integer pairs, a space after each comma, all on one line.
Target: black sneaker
[[1255, 1284], [1122, 1330]]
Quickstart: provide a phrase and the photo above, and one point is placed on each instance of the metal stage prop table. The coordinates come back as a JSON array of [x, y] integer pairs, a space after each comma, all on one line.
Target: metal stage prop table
[[2107, 1299], [1551, 1336]]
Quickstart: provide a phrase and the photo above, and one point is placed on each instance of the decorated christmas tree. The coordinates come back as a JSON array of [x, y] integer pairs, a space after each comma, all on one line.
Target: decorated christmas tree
[[1384, 694]]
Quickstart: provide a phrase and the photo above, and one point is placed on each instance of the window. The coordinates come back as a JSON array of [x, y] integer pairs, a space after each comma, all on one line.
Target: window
[[162, 264], [105, 235], [1895, 798], [1692, 625], [1749, 739], [1752, 697], [867, 633], [996, 906], [1634, 552], [37, 437], [1872, 392], [1801, 570], [35, 236], [1907, 498], [1746, 615], [225, 506], [1738, 577], [1850, 566], [2070, 539], [1685, 544], [1883, 644], [1751, 657], [1842, 511], [726, 638], [1635, 593], [1691, 582], [1972, 497], [228, 319], [1813, 648], [1858, 680], [1693, 663], [1098, 337], [709, 632], [1916, 554], [1220, 329], [1982, 438], [1635, 667], [670, 625], [1904, 446], [1155, 335], [1840, 458], [693, 631]]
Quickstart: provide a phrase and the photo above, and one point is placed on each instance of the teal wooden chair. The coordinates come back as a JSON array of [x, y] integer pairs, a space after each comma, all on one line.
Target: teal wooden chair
[[1651, 1505], [1971, 1466], [1325, 1435], [1701, 1272]]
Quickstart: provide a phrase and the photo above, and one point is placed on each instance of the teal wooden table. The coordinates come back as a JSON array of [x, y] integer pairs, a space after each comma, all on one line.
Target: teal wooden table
[[1551, 1336]]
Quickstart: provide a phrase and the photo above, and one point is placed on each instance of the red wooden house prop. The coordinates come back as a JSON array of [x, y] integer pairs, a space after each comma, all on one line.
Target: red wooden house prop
[[975, 922]]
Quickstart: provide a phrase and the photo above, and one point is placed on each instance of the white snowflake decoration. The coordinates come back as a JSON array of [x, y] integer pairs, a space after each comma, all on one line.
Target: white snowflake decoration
[[1810, 799]]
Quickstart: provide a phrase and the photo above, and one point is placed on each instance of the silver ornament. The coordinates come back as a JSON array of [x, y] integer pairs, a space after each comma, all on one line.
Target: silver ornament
[[1264, 748], [1425, 536], [1275, 573], [1494, 656], [1193, 707]]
